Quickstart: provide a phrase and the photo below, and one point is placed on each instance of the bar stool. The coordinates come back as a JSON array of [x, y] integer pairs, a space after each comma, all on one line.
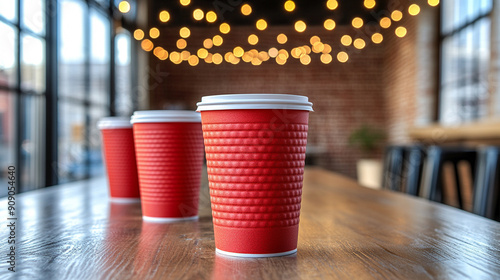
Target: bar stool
[[432, 185], [487, 184], [413, 169], [393, 168]]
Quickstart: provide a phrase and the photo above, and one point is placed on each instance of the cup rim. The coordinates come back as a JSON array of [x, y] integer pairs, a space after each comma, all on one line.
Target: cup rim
[[254, 101], [114, 123], [163, 116]]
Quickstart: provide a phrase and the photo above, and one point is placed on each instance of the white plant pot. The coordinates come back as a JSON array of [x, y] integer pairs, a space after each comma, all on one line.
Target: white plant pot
[[370, 173]]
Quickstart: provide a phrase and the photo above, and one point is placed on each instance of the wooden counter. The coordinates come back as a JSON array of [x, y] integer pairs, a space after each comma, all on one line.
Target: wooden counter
[[346, 232]]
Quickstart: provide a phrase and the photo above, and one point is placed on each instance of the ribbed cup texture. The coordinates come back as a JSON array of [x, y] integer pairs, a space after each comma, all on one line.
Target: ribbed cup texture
[[255, 167], [119, 155], [169, 161]]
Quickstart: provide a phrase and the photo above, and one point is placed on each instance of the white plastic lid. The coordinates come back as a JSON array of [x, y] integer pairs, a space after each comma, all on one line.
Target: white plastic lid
[[114, 123], [159, 116], [254, 101]]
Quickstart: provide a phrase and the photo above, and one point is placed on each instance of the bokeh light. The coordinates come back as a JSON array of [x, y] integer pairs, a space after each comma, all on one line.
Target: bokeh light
[[377, 38], [208, 43], [346, 40], [369, 4], [224, 28], [289, 6], [300, 26], [211, 16], [184, 32], [326, 58], [400, 31], [414, 9], [185, 2], [385, 22], [359, 43], [246, 9], [164, 16], [281, 38], [253, 39], [154, 33], [138, 34], [329, 24], [124, 7], [217, 40], [261, 24], [396, 15], [198, 14], [332, 4], [357, 22], [342, 57]]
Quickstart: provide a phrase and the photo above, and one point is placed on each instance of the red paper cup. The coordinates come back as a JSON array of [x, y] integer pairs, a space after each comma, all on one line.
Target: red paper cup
[[255, 147], [119, 156], [169, 150]]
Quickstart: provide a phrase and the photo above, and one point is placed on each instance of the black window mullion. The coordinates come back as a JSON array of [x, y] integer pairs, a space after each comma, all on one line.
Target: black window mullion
[[88, 53], [51, 89], [19, 113]]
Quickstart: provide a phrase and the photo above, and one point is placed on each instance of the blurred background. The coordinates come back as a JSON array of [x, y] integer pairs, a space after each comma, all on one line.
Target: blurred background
[[381, 73]]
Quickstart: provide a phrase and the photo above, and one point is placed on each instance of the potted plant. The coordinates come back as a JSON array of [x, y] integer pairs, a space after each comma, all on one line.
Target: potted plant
[[369, 168]]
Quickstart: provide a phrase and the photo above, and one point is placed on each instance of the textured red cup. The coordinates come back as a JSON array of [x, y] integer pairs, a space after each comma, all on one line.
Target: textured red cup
[[255, 146], [169, 150], [119, 156]]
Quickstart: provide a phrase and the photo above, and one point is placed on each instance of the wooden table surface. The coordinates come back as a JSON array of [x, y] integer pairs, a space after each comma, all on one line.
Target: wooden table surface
[[346, 232]]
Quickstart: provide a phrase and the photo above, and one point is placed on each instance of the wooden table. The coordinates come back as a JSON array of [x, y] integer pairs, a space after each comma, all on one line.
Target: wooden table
[[346, 232]]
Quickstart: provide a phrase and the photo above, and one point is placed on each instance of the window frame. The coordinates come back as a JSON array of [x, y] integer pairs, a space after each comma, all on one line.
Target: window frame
[[450, 35], [50, 93]]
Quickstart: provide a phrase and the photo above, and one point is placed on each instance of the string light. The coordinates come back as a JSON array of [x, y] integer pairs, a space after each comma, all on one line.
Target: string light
[[208, 43], [261, 24], [238, 51], [314, 39], [329, 24], [414, 9], [217, 58], [433, 3], [164, 16], [184, 32], [185, 55], [300, 26], [211, 16], [357, 22], [359, 43], [342, 57], [369, 4], [377, 38], [124, 7], [318, 47], [327, 48], [185, 2], [273, 52], [282, 38], [208, 59], [332, 4], [326, 58], [175, 57], [147, 45], [253, 39], [193, 60], [400, 31], [198, 14], [305, 59], [346, 40], [138, 34], [246, 9], [396, 15], [385, 22], [202, 53], [154, 33], [289, 6], [217, 40], [224, 28]]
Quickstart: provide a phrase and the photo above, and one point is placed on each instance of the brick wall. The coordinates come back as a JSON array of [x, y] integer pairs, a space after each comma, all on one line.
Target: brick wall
[[345, 96], [410, 74]]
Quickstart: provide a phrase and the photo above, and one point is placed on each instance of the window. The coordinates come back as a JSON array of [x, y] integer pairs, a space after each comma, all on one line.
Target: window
[[465, 56], [23, 91], [79, 45]]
